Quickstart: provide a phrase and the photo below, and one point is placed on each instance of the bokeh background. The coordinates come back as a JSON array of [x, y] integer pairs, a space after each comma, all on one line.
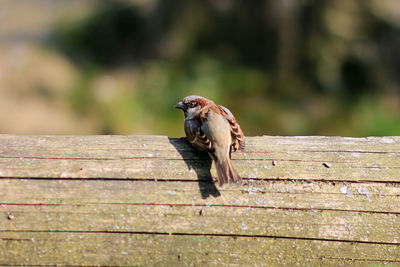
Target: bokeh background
[[288, 67]]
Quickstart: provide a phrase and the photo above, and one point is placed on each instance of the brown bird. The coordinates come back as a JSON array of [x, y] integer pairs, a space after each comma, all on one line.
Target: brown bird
[[213, 128]]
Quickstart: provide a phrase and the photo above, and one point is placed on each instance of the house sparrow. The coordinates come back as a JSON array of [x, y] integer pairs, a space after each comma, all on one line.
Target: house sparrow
[[213, 128]]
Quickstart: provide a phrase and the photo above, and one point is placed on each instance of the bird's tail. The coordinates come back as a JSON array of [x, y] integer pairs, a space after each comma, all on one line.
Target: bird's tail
[[226, 173]]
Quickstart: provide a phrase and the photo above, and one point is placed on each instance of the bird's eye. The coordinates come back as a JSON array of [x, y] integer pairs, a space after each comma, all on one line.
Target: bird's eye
[[192, 104]]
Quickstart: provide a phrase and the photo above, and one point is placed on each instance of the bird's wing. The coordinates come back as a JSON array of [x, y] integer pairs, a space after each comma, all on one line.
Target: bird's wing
[[196, 136], [236, 131]]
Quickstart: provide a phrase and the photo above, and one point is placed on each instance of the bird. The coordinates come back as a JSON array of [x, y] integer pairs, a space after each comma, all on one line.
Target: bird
[[213, 128]]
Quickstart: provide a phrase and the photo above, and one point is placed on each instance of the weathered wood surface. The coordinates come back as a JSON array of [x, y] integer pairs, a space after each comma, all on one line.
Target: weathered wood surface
[[149, 200]]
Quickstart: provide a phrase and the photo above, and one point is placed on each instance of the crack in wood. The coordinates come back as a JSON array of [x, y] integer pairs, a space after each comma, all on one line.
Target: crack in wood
[[357, 259], [204, 234], [267, 179], [204, 205]]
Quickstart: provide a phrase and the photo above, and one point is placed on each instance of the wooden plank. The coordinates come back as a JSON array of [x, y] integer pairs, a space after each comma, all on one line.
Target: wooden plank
[[178, 170], [314, 196], [160, 249], [149, 200], [232, 220], [136, 157]]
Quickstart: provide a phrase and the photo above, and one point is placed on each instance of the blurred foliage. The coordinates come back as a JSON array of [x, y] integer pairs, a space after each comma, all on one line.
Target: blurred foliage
[[113, 33], [283, 67]]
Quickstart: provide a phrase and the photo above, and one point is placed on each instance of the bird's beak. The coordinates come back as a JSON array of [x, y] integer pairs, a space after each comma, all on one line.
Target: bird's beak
[[179, 105]]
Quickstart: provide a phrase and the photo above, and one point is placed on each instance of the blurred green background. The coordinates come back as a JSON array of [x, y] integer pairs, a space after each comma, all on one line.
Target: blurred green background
[[289, 67]]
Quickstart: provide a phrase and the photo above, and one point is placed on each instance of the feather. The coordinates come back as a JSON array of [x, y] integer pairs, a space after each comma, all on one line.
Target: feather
[[196, 136], [213, 128], [225, 171], [236, 131]]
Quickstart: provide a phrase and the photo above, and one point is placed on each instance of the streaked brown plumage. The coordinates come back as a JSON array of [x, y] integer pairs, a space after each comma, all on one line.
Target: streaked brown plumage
[[213, 128]]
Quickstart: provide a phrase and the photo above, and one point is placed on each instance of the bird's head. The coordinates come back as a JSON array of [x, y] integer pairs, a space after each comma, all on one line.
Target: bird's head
[[191, 105]]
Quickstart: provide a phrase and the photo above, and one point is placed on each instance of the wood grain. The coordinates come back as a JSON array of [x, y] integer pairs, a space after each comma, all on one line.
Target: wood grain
[[150, 200]]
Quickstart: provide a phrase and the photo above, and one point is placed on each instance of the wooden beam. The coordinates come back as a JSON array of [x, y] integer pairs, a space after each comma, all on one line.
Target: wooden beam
[[150, 200]]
